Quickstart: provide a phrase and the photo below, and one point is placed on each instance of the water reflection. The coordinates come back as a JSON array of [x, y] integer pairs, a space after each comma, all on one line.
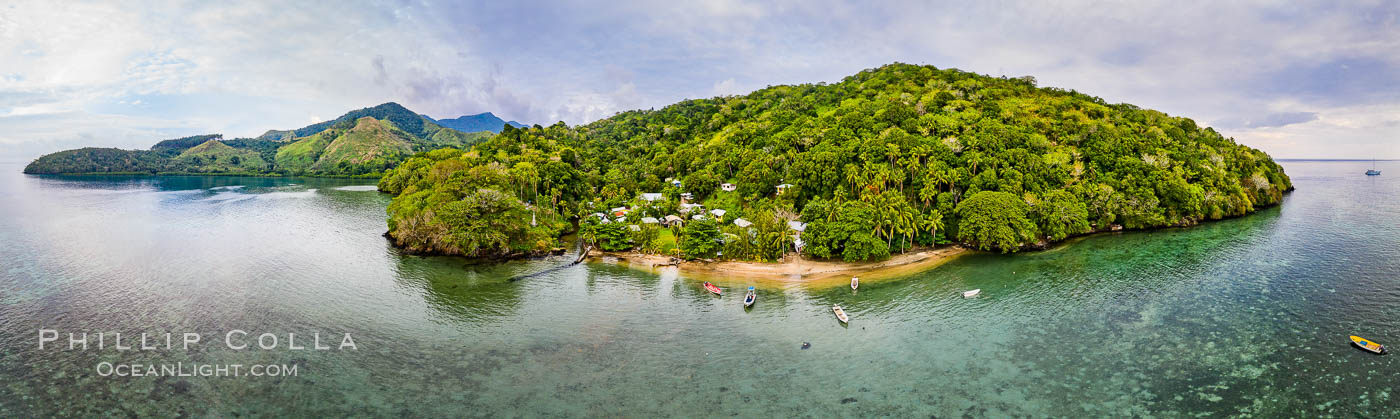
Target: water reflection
[[461, 289]]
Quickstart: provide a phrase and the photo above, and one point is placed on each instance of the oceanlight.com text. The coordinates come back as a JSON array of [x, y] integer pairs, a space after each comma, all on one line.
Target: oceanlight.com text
[[181, 369]]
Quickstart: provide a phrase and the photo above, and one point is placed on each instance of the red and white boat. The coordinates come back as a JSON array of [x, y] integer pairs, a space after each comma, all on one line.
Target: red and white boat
[[712, 288]]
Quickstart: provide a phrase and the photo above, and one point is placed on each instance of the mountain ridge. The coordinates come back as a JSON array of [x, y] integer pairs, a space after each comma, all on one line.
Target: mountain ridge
[[391, 133], [485, 121]]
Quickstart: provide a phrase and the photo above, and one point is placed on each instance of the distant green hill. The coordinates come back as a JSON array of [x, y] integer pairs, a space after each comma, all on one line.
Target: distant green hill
[[98, 160], [485, 121], [371, 146], [214, 156], [406, 120], [300, 155], [363, 142], [179, 145]]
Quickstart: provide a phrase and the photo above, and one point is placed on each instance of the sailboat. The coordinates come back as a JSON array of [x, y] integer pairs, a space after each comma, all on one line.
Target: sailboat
[[1373, 171]]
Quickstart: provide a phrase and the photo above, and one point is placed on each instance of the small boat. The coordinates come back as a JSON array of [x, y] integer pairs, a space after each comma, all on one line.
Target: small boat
[[840, 314], [1368, 345], [855, 282], [1373, 171], [749, 297], [712, 288], [973, 293]]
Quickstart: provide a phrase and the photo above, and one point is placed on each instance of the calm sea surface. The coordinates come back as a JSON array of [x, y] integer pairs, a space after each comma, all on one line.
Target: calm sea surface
[[1245, 316]]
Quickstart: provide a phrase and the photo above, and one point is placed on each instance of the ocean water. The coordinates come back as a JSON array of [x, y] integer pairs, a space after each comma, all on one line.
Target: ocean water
[[1248, 316]]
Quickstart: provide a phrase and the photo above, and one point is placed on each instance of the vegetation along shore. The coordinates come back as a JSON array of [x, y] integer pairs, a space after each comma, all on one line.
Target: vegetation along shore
[[886, 161]]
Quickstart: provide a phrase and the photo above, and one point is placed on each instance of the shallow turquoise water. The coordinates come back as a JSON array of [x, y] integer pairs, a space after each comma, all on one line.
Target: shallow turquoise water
[[1246, 316]]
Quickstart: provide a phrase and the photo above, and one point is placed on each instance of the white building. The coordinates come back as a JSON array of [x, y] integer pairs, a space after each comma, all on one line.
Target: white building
[[742, 222], [718, 213], [728, 187], [652, 196]]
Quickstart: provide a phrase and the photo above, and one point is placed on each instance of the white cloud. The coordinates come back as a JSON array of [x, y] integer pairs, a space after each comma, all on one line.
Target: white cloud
[[726, 87]]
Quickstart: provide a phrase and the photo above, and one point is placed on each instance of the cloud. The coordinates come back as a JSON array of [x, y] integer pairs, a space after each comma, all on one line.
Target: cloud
[[726, 87], [1269, 120], [1271, 76], [1354, 127]]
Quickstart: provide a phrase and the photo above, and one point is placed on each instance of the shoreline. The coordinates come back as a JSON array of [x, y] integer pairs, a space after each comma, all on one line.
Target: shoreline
[[791, 270], [224, 174]]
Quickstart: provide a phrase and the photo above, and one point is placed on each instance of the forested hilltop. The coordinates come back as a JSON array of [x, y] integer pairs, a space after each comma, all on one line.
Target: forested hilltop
[[879, 162], [364, 143]]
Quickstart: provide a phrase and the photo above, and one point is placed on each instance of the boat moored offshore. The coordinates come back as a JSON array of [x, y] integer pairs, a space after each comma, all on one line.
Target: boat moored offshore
[[1368, 345], [840, 314]]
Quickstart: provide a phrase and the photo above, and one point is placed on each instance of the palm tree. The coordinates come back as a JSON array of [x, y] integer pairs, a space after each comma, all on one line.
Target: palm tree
[[911, 166], [973, 159], [953, 176], [891, 153], [939, 175], [932, 222], [853, 177], [906, 221]]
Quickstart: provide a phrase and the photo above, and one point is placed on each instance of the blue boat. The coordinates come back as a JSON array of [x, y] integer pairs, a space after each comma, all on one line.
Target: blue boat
[[1373, 171]]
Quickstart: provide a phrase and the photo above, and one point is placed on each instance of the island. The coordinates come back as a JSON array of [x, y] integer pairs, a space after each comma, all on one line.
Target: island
[[362, 143], [891, 161]]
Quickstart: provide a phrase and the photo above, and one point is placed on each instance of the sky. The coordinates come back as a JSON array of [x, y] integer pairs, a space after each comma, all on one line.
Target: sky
[[1297, 79]]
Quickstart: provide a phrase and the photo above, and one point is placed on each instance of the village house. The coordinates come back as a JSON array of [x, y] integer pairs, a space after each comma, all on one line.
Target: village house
[[652, 196], [602, 218], [798, 227], [718, 213], [728, 187], [783, 188]]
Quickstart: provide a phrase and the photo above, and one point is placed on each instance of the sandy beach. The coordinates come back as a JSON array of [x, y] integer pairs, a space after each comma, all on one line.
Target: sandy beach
[[792, 270]]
